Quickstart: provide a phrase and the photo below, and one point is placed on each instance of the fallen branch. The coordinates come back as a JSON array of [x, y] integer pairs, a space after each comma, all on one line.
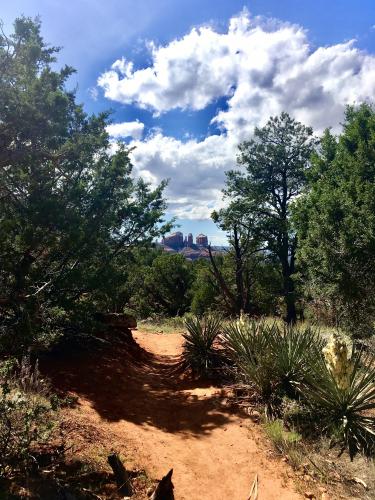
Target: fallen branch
[[253, 495]]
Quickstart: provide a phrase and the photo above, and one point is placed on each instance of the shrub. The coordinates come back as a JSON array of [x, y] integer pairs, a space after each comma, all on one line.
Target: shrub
[[27, 415], [199, 354], [342, 399]]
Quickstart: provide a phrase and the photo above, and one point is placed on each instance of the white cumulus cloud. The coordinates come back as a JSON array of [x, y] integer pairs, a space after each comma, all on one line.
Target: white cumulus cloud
[[261, 67], [195, 169], [126, 129]]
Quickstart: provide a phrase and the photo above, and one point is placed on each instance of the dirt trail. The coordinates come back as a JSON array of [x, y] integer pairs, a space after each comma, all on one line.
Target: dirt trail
[[167, 422]]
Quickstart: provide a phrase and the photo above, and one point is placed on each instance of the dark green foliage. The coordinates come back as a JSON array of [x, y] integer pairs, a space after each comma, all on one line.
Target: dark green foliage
[[161, 286], [69, 208], [343, 412], [276, 164], [336, 224], [205, 293], [199, 354]]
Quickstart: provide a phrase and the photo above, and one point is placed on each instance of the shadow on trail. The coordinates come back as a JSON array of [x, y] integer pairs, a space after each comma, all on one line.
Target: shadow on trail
[[124, 382]]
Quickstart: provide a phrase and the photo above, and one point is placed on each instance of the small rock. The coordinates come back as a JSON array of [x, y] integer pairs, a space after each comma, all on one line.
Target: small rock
[[309, 494], [306, 477], [324, 496]]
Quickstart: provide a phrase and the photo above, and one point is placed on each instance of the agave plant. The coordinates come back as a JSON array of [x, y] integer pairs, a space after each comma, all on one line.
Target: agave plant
[[344, 407], [199, 354]]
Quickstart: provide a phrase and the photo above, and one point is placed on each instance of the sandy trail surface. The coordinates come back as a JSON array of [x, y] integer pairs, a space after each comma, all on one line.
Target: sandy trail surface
[[147, 412]]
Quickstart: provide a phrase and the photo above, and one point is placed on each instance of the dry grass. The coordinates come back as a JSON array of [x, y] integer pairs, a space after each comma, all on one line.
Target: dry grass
[[162, 325]]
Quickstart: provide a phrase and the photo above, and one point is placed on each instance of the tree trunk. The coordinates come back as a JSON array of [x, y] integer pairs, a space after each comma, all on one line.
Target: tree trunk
[[289, 289], [240, 293], [291, 313], [228, 295], [121, 475]]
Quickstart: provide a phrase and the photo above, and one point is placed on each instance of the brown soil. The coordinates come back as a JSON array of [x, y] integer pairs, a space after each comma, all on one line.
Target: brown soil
[[157, 421]]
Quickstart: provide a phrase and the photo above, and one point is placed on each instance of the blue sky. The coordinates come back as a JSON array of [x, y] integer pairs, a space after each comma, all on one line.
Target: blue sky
[[193, 78]]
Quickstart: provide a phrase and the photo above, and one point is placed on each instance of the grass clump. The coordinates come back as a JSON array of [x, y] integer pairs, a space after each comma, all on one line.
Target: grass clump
[[285, 441]]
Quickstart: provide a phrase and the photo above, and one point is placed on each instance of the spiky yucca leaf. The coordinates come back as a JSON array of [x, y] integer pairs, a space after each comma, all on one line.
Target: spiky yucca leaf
[[247, 343], [273, 357], [294, 352], [345, 411], [198, 352]]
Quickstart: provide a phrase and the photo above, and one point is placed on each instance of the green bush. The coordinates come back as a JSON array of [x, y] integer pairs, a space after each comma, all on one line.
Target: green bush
[[199, 354], [27, 415]]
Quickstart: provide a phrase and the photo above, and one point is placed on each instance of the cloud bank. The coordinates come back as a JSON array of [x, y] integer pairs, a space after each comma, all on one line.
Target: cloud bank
[[261, 67]]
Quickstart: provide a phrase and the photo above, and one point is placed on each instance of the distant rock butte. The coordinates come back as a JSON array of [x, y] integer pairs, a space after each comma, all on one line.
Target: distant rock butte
[[176, 243]]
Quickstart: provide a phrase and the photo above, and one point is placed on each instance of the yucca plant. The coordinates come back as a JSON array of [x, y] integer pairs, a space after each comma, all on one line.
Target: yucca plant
[[343, 408], [247, 344], [294, 352], [199, 354]]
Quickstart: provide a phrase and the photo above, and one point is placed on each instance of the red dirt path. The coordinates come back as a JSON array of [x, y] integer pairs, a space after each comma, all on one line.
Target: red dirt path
[[150, 414]]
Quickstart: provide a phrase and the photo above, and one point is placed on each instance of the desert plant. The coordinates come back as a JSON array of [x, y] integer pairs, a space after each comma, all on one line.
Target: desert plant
[[247, 344], [27, 416], [343, 400], [274, 358], [285, 441], [199, 354], [294, 352]]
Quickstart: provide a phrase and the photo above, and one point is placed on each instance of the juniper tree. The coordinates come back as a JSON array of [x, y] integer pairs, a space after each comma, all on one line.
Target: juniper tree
[[68, 206], [336, 222]]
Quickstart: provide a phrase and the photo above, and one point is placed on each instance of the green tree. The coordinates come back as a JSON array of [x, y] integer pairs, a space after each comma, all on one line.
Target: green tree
[[276, 161], [68, 207], [205, 292], [164, 286], [336, 222]]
